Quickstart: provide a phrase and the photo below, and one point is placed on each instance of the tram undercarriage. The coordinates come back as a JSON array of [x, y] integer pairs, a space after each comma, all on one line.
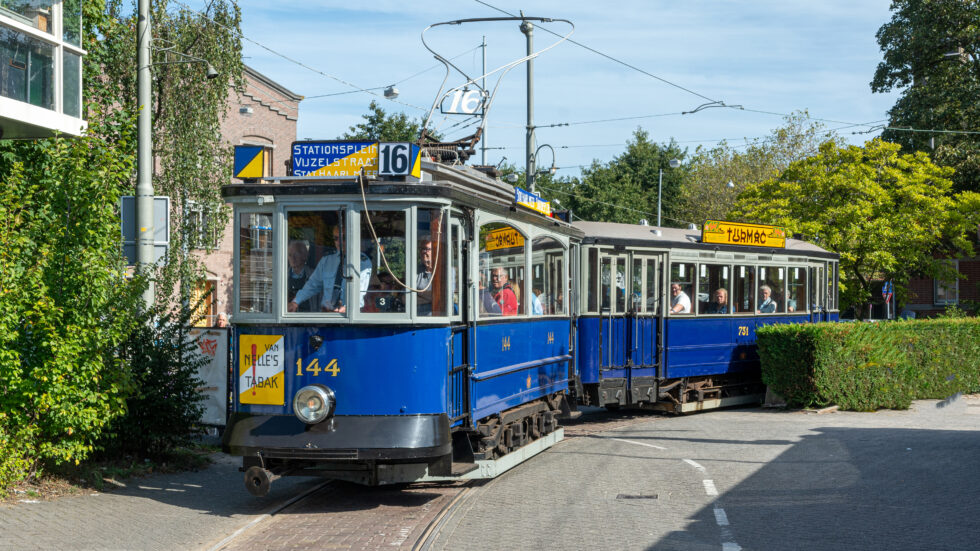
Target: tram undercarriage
[[498, 443], [675, 395]]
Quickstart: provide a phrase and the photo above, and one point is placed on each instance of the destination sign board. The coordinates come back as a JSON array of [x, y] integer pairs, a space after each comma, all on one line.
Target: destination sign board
[[504, 238], [347, 158], [736, 233], [532, 201]]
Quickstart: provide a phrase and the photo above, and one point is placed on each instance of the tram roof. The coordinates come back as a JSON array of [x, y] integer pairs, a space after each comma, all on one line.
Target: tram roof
[[463, 183], [611, 233]]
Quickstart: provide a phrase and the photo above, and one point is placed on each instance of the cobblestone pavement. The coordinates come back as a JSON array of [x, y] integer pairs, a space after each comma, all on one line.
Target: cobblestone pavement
[[351, 517], [175, 511], [741, 479]]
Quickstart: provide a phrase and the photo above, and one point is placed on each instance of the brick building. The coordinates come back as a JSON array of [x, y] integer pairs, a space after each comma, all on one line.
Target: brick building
[[264, 115], [928, 297]]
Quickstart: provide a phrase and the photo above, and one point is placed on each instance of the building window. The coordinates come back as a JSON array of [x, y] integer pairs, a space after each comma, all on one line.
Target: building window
[[204, 301], [26, 69], [947, 292], [202, 232]]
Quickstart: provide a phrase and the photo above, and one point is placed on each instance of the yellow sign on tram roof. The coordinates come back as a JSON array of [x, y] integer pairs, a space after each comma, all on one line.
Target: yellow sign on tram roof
[[736, 233], [504, 238]]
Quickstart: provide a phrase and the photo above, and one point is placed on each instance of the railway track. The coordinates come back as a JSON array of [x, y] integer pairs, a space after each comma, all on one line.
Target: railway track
[[344, 516]]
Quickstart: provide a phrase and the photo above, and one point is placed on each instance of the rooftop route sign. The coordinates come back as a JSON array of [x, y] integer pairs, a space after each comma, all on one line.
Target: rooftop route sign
[[735, 233]]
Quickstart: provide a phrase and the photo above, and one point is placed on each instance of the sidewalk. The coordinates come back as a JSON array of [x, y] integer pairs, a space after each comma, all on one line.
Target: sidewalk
[[190, 510]]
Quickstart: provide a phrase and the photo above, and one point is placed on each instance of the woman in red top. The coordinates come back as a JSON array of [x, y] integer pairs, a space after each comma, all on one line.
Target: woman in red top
[[502, 293]]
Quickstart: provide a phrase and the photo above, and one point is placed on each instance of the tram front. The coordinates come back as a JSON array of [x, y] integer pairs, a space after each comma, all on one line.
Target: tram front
[[342, 338]]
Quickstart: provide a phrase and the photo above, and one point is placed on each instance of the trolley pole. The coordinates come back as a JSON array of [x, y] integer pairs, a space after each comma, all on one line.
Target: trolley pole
[[144, 158], [483, 140], [528, 29]]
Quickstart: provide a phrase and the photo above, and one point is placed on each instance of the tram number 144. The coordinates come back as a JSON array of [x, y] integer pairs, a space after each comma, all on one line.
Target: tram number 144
[[314, 367]]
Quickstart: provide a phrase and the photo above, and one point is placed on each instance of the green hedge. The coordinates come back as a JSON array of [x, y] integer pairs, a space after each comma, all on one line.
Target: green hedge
[[866, 366]]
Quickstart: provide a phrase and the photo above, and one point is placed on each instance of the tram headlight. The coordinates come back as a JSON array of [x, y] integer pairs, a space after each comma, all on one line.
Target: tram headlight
[[313, 403]]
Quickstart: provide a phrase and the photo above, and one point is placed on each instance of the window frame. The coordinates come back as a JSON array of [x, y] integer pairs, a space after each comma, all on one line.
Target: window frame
[[937, 283], [239, 314]]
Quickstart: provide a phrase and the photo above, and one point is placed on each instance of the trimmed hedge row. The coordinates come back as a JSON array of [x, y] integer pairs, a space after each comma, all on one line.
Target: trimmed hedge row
[[866, 366]]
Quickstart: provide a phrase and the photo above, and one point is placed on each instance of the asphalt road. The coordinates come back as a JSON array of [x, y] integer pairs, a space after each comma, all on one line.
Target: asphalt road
[[742, 479]]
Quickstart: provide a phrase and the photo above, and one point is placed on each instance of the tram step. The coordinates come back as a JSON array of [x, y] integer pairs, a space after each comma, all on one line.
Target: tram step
[[460, 469], [571, 415]]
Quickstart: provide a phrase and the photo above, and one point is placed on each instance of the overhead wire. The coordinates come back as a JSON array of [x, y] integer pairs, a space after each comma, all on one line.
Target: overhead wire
[[295, 61]]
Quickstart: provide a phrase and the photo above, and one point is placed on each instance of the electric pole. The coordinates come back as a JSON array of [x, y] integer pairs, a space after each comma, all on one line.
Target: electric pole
[[528, 29]]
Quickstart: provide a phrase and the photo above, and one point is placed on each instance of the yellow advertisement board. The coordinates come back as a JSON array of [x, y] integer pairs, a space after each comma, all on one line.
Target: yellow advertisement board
[[504, 238], [261, 370], [736, 233]]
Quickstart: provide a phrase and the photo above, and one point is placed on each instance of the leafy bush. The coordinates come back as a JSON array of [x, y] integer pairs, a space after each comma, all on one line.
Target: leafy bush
[[163, 411], [866, 366], [14, 462]]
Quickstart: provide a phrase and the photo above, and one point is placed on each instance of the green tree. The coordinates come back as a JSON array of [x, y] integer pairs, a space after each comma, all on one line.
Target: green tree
[[625, 189], [939, 90], [886, 213], [384, 127], [705, 194]]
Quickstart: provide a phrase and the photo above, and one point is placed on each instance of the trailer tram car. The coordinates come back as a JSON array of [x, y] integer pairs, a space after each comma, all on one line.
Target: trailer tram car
[[367, 344], [652, 331]]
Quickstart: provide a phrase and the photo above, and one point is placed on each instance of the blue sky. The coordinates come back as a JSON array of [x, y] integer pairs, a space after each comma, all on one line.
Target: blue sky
[[766, 55]]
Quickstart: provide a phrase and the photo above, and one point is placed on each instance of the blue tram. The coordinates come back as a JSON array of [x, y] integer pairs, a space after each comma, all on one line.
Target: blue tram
[[666, 319], [392, 329]]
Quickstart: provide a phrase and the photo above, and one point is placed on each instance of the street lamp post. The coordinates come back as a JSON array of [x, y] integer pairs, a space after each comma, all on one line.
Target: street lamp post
[[532, 176], [674, 163]]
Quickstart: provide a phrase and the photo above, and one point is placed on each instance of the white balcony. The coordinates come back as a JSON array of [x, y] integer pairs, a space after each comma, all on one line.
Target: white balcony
[[40, 68]]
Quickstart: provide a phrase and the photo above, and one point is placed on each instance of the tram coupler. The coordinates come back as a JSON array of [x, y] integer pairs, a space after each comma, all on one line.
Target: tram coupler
[[258, 480]]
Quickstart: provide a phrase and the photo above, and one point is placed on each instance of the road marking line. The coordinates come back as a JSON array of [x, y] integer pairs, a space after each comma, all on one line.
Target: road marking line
[[720, 517], [696, 465], [730, 546], [639, 443], [709, 487]]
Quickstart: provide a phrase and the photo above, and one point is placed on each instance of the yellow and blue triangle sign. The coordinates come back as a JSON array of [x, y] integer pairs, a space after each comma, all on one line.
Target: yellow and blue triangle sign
[[249, 161]]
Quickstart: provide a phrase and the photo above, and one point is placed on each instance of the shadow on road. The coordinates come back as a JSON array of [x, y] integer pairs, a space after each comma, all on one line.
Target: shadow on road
[[852, 488]]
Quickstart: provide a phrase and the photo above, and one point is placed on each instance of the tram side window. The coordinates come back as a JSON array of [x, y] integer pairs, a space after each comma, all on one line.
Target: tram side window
[[501, 269], [832, 286], [255, 263], [772, 290], [743, 290], [817, 287], [714, 285], [796, 290], [324, 287], [592, 282], [636, 288], [653, 287], [681, 287], [430, 272], [547, 263], [384, 293]]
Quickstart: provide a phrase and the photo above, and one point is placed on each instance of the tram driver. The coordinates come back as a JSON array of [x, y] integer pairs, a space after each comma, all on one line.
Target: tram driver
[[328, 280]]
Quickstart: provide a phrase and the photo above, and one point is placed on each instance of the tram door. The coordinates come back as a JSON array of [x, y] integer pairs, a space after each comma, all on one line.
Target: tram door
[[460, 351], [645, 278], [615, 318]]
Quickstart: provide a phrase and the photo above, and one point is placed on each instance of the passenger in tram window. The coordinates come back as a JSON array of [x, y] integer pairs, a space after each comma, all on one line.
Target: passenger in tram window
[[384, 296], [536, 308], [488, 305], [503, 293], [680, 303], [298, 253], [766, 304], [720, 304], [424, 279], [328, 279]]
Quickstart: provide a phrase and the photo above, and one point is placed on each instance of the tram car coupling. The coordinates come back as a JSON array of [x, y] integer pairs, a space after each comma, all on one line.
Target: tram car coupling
[[395, 328]]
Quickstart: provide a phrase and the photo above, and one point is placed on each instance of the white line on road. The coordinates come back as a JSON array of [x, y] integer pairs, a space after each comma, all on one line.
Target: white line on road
[[720, 517], [696, 465], [709, 487], [639, 443]]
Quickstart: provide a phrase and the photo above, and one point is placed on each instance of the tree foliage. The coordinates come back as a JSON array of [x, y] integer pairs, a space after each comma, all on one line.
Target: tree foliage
[[885, 213], [705, 194], [625, 189], [939, 91], [384, 127]]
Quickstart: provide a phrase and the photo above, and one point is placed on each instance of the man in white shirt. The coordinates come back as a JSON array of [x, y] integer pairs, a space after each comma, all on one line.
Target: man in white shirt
[[680, 303], [329, 282]]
